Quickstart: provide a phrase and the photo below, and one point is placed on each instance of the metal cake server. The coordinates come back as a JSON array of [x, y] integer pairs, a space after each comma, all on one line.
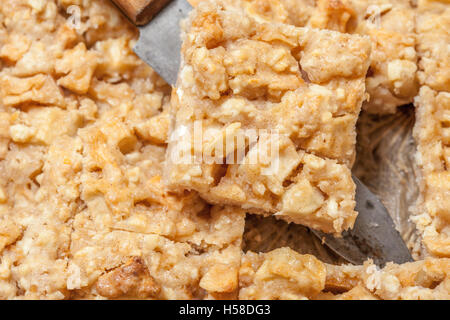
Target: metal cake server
[[374, 234], [159, 41]]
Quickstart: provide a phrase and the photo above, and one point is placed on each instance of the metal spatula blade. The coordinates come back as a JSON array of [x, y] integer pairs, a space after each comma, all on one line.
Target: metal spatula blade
[[373, 236], [159, 43]]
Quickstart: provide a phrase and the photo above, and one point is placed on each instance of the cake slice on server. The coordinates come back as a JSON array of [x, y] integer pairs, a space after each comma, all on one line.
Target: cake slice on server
[[431, 131], [264, 116]]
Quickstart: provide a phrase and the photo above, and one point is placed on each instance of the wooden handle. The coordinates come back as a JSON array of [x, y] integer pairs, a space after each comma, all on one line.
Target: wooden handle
[[140, 11]]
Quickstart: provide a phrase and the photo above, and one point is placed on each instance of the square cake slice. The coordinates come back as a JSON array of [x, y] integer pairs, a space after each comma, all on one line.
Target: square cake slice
[[390, 24], [264, 116]]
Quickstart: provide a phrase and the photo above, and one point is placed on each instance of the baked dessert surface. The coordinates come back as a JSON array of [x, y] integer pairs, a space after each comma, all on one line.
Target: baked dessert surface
[[431, 128], [286, 274], [432, 24], [83, 212], [303, 87], [391, 80], [430, 131], [191, 250]]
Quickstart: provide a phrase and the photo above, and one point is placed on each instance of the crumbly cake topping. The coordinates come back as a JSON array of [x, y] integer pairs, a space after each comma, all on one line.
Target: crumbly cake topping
[[431, 129], [280, 274], [84, 213], [391, 80], [432, 25], [286, 274], [83, 127], [238, 76], [433, 158]]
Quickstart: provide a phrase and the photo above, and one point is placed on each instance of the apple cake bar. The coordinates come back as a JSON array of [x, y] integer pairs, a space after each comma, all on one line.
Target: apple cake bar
[[391, 80], [84, 124], [83, 212], [191, 250], [264, 116], [285, 274], [431, 129]]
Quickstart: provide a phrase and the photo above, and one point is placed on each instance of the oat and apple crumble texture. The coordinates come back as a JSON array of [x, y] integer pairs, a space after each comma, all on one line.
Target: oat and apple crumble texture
[[391, 80], [308, 84], [285, 274], [83, 127], [432, 127], [84, 123]]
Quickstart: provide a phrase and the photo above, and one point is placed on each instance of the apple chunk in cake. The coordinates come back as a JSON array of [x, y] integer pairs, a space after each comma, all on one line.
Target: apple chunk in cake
[[264, 117]]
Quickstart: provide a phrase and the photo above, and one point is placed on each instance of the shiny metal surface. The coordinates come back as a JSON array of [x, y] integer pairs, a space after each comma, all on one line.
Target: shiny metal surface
[[159, 43]]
